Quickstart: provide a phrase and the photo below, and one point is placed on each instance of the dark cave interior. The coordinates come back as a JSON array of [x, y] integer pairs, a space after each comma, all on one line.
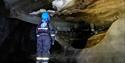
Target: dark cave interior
[[18, 44], [18, 41]]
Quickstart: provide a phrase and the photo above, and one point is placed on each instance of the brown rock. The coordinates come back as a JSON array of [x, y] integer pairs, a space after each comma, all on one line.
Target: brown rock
[[111, 49], [95, 39], [99, 12]]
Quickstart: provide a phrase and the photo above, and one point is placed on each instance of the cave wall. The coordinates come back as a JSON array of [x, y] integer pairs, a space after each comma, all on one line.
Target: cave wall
[[17, 40], [110, 49]]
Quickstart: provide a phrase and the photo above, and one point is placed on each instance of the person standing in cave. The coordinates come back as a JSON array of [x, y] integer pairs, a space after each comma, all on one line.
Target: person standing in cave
[[45, 38]]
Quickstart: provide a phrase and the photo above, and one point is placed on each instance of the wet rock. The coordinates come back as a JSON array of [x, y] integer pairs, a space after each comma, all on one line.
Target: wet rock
[[110, 49]]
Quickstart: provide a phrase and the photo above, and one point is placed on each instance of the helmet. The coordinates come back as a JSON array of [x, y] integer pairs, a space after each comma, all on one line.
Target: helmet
[[45, 17]]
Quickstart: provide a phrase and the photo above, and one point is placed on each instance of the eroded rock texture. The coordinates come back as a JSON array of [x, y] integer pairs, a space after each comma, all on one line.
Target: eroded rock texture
[[106, 46], [98, 12], [111, 48]]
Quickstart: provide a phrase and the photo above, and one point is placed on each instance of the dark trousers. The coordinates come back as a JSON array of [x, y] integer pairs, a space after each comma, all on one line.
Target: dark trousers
[[43, 45]]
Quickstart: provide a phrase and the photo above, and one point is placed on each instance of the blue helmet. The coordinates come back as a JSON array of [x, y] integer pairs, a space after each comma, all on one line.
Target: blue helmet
[[45, 17]]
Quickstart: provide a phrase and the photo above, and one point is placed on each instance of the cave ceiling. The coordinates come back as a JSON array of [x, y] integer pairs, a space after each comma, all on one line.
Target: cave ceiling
[[20, 9]]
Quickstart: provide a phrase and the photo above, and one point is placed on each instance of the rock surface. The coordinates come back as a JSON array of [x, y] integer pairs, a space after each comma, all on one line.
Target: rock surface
[[17, 41], [111, 48]]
